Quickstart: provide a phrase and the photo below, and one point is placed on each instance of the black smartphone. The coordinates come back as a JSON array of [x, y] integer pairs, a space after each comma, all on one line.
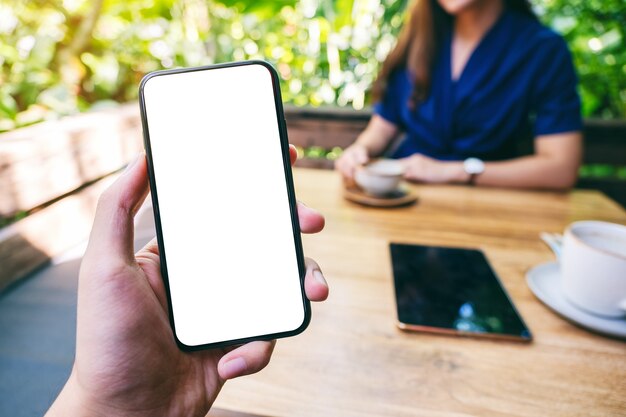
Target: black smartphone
[[452, 291], [224, 204]]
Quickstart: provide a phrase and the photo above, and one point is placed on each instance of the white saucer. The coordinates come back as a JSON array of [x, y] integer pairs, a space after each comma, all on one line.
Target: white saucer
[[544, 282]]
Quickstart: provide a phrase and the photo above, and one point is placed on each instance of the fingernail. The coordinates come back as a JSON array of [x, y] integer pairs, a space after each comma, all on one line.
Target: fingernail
[[317, 274], [234, 367]]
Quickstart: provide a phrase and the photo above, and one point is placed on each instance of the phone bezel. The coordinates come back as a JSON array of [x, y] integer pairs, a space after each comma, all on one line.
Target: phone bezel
[[284, 144]]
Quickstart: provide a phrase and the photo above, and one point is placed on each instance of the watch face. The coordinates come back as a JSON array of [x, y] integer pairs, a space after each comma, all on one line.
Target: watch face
[[474, 166]]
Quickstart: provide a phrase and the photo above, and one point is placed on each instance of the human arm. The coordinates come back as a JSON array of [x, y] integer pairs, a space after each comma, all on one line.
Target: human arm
[[127, 362], [554, 165], [371, 142]]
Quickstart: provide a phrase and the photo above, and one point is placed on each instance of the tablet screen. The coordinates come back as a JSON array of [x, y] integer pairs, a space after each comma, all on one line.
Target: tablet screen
[[452, 290]]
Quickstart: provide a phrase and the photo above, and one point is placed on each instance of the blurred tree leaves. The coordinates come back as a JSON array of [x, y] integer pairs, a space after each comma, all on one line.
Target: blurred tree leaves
[[595, 31], [263, 9], [63, 56]]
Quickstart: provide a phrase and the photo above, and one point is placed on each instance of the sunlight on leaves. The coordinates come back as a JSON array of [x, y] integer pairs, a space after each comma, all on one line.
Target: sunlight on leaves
[[62, 56]]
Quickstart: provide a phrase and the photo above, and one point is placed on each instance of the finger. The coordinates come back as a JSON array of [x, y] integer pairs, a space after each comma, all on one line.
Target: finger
[[245, 360], [413, 175], [405, 161], [349, 183], [361, 156], [342, 166], [151, 247], [113, 228], [311, 221], [346, 165], [293, 154], [148, 259], [315, 284]]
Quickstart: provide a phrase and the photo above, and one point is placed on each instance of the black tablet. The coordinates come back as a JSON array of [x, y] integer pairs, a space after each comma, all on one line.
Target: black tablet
[[452, 291]]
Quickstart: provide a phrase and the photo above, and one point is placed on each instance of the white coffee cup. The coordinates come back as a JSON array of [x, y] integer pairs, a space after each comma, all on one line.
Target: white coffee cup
[[593, 267], [380, 178]]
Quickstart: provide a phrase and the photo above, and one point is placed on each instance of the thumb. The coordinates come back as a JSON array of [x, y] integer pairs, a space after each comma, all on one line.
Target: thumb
[[113, 227]]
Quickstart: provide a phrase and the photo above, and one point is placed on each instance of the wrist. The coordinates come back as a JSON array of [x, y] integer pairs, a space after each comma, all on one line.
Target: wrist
[[357, 145], [71, 401], [75, 401], [473, 167], [458, 174]]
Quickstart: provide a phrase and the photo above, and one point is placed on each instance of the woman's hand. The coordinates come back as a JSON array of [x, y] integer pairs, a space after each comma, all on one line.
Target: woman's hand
[[352, 157], [421, 168], [373, 141], [127, 363]]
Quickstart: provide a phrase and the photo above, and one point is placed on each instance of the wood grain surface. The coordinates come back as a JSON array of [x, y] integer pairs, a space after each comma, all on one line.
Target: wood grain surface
[[353, 361]]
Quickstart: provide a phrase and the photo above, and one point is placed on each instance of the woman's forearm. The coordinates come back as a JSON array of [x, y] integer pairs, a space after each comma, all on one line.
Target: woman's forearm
[[534, 171], [377, 136], [553, 166]]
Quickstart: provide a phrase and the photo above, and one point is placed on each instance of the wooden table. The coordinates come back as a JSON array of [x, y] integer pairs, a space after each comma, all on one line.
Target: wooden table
[[353, 361]]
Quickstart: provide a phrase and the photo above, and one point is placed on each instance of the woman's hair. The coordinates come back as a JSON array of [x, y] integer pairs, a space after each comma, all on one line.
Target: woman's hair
[[418, 42]]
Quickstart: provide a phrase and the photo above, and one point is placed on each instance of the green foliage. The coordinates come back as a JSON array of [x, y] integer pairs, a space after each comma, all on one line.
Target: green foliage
[[62, 56], [595, 31], [55, 63], [603, 171]]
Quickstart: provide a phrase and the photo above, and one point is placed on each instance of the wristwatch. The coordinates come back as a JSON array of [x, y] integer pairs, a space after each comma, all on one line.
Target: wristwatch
[[474, 167]]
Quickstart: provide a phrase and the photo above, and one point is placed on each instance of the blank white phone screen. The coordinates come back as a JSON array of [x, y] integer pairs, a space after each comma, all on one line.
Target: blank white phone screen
[[223, 202]]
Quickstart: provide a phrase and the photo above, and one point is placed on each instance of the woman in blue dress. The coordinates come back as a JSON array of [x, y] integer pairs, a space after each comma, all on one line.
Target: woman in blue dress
[[468, 80]]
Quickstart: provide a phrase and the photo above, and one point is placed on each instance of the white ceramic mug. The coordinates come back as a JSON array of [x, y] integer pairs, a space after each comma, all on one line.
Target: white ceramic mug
[[380, 178], [593, 267]]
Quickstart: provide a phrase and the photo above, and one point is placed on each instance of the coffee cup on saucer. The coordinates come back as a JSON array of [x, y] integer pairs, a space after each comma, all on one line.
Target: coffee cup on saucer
[[593, 267], [380, 178]]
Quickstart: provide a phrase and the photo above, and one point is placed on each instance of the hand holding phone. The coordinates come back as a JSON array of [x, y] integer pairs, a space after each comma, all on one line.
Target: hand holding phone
[[218, 257], [126, 357]]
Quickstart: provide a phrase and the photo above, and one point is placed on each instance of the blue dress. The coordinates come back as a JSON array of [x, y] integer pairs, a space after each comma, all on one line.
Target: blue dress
[[518, 82]]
